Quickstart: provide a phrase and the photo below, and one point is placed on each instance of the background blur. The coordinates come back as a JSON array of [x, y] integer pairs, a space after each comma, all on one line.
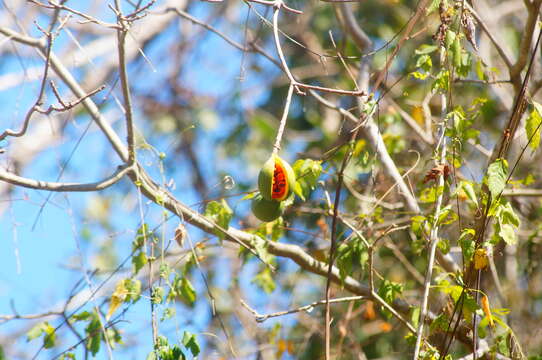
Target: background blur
[[206, 114]]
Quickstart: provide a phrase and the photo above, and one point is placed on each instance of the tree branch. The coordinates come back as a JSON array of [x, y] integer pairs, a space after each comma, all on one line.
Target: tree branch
[[62, 186]]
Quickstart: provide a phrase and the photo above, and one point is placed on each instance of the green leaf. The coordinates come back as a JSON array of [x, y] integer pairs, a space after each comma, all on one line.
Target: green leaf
[[94, 334], [249, 195], [260, 245], [507, 215], [50, 336], [496, 177], [177, 354], [2, 354], [157, 294], [415, 315], [456, 52], [134, 290], [444, 246], [465, 64], [191, 343], [389, 291], [424, 62], [307, 172], [418, 224], [187, 291], [351, 255], [429, 195], [466, 241], [479, 69], [165, 270], [450, 38], [432, 7], [138, 261], [221, 214], [35, 332], [468, 189], [441, 81], [85, 315], [345, 259], [168, 313], [532, 126], [446, 216], [439, 324], [298, 190], [65, 356], [265, 281], [425, 49]]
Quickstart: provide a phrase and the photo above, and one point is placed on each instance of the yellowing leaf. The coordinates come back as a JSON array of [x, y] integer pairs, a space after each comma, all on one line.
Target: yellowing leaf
[[487, 310], [116, 299], [480, 259], [281, 347], [114, 304], [532, 126], [417, 114]]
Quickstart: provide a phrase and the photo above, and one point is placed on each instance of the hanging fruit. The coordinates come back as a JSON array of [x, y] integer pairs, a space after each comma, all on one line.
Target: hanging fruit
[[276, 180], [266, 210]]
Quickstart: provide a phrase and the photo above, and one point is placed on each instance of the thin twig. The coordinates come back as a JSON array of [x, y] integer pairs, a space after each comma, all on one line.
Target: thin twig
[[433, 242], [88, 18], [286, 69], [340, 178], [489, 34], [47, 54], [308, 308], [283, 120], [274, 3], [408, 29]]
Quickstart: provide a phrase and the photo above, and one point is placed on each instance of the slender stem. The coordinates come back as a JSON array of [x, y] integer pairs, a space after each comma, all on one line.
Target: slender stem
[[278, 139], [433, 238], [336, 204], [286, 69], [262, 318]]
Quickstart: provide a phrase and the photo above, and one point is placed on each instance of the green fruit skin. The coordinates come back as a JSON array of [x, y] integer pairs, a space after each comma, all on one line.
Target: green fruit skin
[[265, 177], [266, 210], [290, 176]]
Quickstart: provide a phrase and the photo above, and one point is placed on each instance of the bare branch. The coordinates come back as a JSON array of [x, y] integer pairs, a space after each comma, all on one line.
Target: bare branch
[[357, 34], [62, 186], [56, 6], [526, 41], [35, 108], [489, 34], [296, 83], [276, 3], [307, 308]]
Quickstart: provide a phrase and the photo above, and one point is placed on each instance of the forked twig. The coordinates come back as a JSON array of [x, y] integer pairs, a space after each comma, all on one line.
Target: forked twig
[[308, 308]]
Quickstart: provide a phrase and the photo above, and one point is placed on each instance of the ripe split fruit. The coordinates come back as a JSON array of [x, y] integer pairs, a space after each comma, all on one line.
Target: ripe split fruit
[[276, 179], [276, 182]]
